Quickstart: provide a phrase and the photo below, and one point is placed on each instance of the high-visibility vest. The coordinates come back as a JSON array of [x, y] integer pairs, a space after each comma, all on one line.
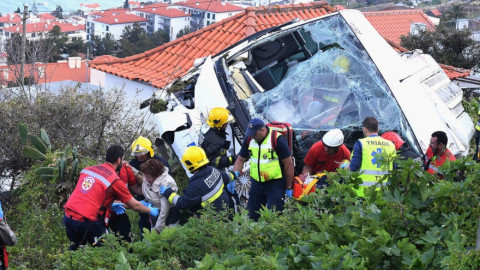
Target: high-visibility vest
[[264, 162], [370, 167], [90, 192]]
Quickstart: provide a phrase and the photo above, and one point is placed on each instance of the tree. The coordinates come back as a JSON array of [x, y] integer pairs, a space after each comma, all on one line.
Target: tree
[[18, 10], [90, 119], [184, 32], [126, 5], [135, 40], [58, 12], [103, 46], [446, 46], [75, 46], [456, 12], [58, 41], [159, 38]]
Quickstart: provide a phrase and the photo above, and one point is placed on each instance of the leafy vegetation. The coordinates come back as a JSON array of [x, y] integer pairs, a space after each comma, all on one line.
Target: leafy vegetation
[[418, 221], [446, 46]]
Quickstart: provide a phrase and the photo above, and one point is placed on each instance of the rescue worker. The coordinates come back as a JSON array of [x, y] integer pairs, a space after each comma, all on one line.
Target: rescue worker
[[142, 151], [477, 138], [119, 222], [205, 186], [7, 238], [402, 149], [365, 156], [326, 155], [213, 138], [90, 202], [437, 153], [271, 170]]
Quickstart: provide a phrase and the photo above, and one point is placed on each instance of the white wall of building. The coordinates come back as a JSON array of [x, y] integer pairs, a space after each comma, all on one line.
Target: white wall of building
[[101, 29]]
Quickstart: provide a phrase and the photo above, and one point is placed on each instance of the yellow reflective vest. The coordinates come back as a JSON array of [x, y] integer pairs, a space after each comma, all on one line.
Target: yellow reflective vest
[[264, 162], [370, 167], [477, 125]]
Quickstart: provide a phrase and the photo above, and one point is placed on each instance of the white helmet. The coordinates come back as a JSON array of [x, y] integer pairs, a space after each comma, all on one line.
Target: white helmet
[[333, 138]]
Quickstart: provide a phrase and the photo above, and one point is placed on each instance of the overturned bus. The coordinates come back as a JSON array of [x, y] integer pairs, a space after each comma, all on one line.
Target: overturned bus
[[325, 73]]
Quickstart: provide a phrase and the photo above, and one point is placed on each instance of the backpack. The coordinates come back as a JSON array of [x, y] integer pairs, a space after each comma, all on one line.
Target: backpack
[[285, 130]]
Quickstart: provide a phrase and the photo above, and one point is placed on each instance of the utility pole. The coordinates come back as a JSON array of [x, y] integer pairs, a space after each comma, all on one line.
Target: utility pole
[[24, 42]]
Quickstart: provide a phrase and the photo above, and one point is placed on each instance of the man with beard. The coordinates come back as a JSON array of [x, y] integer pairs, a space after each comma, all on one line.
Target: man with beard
[[91, 201], [437, 153]]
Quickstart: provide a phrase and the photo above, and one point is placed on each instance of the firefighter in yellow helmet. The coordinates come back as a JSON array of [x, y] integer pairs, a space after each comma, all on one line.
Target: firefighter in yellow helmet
[[142, 151], [213, 138], [207, 185]]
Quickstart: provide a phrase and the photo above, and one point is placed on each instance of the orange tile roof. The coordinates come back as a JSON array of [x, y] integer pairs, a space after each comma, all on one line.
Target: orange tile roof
[[454, 72], [174, 59], [10, 18], [54, 72], [436, 12], [121, 18], [109, 12], [339, 7], [210, 5], [95, 5], [154, 5], [396, 23], [164, 11], [47, 16], [45, 27]]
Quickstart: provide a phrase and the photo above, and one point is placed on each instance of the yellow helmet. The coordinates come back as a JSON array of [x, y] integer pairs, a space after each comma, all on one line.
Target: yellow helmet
[[142, 146], [194, 158], [219, 116]]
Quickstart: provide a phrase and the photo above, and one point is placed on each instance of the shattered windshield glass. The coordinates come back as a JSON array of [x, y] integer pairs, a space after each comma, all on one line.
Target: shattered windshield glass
[[330, 83]]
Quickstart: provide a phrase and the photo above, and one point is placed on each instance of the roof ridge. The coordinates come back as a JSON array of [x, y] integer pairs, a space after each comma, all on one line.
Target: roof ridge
[[400, 11], [261, 10]]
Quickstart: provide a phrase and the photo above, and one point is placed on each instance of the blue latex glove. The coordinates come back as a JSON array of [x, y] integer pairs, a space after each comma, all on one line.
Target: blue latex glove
[[153, 211], [289, 192], [1, 211], [162, 190], [231, 186], [118, 208], [145, 203], [344, 164], [236, 174]]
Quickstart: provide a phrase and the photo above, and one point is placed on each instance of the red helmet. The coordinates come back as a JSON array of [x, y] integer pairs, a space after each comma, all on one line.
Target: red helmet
[[393, 137]]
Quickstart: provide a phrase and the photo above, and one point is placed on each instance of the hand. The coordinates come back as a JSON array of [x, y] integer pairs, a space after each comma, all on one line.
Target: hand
[[289, 193], [1, 211], [145, 203], [162, 190], [118, 208], [231, 186], [235, 174], [345, 163], [153, 211]]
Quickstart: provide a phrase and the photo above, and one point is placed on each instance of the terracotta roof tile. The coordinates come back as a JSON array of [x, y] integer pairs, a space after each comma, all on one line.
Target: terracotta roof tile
[[395, 23], [175, 58], [120, 19], [435, 12], [455, 73], [164, 11], [45, 27], [52, 72], [11, 18], [210, 5]]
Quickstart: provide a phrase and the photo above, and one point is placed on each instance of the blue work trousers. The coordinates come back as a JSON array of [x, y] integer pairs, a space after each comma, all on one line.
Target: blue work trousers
[[270, 194], [81, 232]]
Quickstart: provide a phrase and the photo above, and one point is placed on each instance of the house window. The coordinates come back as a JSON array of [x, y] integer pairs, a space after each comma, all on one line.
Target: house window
[[208, 15], [5, 73], [213, 16], [88, 24], [107, 28], [33, 34], [41, 72]]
